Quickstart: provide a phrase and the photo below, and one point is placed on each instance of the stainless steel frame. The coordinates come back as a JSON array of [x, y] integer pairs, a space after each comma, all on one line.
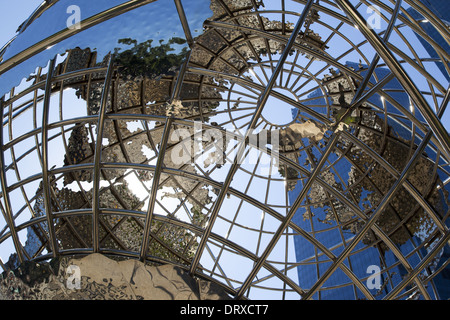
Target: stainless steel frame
[[210, 251]]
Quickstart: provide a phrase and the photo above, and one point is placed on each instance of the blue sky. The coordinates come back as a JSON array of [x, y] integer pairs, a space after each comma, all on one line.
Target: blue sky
[[11, 16]]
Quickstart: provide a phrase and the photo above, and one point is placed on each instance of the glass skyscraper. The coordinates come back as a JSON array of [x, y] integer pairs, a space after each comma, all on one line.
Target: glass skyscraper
[[335, 233], [442, 10]]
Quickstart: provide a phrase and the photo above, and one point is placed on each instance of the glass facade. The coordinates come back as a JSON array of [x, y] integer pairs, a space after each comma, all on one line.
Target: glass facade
[[442, 11], [334, 234]]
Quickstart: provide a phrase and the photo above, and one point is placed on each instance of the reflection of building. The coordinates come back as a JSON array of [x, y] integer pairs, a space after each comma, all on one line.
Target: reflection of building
[[333, 224], [442, 10]]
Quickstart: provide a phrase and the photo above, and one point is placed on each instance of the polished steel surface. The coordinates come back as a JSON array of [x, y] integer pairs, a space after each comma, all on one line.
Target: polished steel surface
[[277, 148]]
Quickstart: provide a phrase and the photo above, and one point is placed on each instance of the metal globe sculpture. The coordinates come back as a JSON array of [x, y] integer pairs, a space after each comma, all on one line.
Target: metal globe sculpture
[[281, 149]]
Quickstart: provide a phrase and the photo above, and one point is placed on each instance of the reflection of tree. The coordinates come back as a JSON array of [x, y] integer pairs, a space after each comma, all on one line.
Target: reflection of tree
[[143, 59], [140, 66]]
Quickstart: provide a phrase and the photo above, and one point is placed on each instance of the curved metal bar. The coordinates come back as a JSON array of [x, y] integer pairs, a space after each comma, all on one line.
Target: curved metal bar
[[45, 174], [8, 213], [66, 33], [407, 185], [431, 17], [180, 78], [284, 160], [374, 62], [97, 156], [289, 216], [252, 84], [444, 103], [328, 59], [56, 78], [409, 86], [184, 23], [261, 103], [384, 202], [423, 264], [200, 76], [80, 212], [154, 189]]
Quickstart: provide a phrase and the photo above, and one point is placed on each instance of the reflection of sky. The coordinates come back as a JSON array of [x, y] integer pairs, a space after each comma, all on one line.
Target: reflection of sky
[[157, 21]]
